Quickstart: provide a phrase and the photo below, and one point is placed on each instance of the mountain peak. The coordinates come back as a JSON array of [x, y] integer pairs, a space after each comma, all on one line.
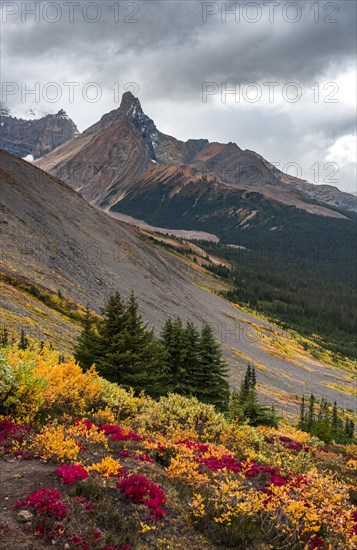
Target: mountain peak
[[129, 102]]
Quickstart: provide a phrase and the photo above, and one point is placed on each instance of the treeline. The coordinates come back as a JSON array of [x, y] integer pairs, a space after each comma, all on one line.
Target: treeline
[[312, 297], [245, 403], [6, 339], [323, 420], [182, 359]]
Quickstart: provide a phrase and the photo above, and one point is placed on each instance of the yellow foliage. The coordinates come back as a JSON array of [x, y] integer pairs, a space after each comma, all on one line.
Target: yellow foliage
[[53, 443], [46, 385], [85, 436], [108, 467], [145, 527], [69, 388], [285, 430], [242, 439], [103, 416], [223, 502], [198, 506], [187, 470], [351, 450]]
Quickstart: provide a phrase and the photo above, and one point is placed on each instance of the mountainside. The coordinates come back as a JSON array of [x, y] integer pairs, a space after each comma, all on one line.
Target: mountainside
[[34, 133], [57, 248], [125, 153]]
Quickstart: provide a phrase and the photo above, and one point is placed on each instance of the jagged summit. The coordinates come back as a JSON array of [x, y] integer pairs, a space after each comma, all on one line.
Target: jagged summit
[[124, 153], [129, 102]]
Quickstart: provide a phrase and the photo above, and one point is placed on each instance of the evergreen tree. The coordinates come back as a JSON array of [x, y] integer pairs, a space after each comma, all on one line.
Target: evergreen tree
[[327, 424], [143, 359], [128, 353], [195, 363], [334, 419], [253, 378], [213, 371], [349, 429], [4, 337], [234, 409], [302, 414], [251, 408], [193, 377], [172, 337], [86, 348], [24, 342], [311, 413]]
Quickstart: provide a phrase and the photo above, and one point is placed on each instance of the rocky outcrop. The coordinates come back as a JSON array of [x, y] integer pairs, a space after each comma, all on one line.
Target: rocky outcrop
[[36, 134]]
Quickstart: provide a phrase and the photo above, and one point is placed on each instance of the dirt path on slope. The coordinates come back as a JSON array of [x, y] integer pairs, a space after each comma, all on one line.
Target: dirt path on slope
[[17, 479]]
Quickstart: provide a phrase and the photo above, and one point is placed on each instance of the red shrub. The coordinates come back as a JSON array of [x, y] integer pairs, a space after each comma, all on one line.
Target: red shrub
[[46, 502], [142, 491], [142, 457], [316, 542], [11, 436], [84, 502], [289, 443], [278, 481], [256, 469], [70, 473], [227, 462], [85, 424], [119, 434], [198, 446]]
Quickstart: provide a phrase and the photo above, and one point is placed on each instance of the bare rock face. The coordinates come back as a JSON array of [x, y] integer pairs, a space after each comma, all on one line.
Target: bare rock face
[[36, 134]]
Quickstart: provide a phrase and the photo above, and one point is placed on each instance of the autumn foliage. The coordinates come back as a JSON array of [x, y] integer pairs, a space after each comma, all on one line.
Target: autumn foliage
[[143, 464]]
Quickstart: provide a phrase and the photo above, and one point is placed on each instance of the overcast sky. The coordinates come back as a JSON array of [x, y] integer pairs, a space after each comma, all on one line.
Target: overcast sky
[[182, 57]]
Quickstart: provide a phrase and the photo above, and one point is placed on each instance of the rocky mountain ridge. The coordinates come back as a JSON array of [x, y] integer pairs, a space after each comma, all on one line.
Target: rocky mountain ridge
[[124, 150], [32, 134]]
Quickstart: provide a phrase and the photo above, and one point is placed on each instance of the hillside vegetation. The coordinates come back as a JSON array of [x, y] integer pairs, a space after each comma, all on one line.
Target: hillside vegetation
[[118, 470], [315, 296]]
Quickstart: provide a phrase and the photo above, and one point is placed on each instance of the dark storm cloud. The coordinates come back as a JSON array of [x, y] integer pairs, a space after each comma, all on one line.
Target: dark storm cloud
[[213, 49], [176, 46]]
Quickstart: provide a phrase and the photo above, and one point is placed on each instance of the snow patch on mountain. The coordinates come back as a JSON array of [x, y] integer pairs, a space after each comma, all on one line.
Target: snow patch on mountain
[[27, 114], [28, 158]]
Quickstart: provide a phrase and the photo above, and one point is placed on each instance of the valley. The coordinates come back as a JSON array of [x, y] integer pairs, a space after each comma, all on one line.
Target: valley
[[55, 242]]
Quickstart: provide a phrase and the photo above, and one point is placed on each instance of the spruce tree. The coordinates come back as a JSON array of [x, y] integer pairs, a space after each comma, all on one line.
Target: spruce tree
[[234, 409], [192, 377], [334, 419], [311, 413], [24, 342], [172, 337], [213, 371], [252, 409], [128, 353], [349, 429], [301, 424], [4, 337], [142, 360], [327, 424], [86, 348]]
